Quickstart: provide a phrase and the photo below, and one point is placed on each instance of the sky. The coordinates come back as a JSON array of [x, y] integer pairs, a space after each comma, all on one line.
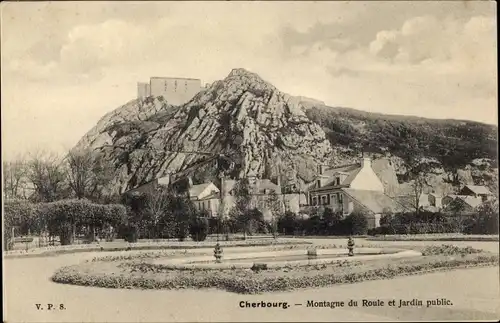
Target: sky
[[66, 64]]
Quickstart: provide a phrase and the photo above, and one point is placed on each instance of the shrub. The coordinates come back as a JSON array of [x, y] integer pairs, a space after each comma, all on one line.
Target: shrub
[[448, 250], [198, 229], [288, 224], [357, 223], [25, 216], [486, 222], [128, 232], [258, 267]]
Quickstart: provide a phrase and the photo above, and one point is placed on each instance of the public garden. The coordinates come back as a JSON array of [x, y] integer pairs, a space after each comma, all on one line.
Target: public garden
[[189, 284], [156, 258]]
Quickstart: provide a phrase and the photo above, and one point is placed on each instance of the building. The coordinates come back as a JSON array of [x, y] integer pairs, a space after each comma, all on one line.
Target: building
[[476, 191], [206, 198], [467, 201], [435, 200], [430, 202], [260, 192], [352, 188], [463, 205], [175, 91]]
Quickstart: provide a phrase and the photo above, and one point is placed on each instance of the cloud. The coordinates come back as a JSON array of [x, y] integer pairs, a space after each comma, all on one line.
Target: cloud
[[429, 40], [389, 57]]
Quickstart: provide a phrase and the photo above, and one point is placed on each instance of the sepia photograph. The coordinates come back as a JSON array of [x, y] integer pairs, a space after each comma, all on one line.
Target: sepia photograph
[[249, 161]]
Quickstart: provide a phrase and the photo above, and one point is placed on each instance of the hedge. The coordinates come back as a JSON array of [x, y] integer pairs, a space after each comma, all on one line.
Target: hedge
[[60, 218]]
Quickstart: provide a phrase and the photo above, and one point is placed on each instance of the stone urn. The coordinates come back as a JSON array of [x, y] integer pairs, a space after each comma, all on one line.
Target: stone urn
[[218, 253], [312, 253], [350, 246]]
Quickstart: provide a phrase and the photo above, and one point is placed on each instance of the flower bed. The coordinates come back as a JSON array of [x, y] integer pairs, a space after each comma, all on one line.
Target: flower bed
[[150, 245], [130, 274], [435, 237]]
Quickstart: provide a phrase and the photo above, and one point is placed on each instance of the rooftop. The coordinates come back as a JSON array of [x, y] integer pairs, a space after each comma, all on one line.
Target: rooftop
[[350, 170], [196, 190], [374, 201], [477, 189]]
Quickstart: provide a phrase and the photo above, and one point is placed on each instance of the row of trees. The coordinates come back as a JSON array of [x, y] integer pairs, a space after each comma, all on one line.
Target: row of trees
[[47, 177]]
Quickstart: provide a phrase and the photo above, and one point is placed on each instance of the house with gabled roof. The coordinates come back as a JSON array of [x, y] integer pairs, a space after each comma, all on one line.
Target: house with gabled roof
[[463, 205], [350, 188], [205, 197], [477, 191]]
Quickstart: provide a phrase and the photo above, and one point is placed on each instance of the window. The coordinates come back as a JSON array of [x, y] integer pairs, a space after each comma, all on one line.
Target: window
[[165, 85], [318, 183], [340, 198], [314, 201], [324, 200], [337, 180]]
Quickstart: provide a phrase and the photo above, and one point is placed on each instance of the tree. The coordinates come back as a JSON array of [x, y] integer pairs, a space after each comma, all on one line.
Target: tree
[[88, 174], [330, 220], [418, 172], [276, 207], [288, 224], [46, 173], [182, 211], [243, 199], [357, 223], [486, 221], [198, 228], [156, 210], [14, 178], [252, 221]]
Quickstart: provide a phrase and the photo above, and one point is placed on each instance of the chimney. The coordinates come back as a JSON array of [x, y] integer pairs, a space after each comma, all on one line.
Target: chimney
[[366, 162], [321, 169]]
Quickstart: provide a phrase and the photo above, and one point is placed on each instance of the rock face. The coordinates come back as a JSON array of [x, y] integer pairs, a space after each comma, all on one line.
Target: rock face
[[266, 132], [242, 116]]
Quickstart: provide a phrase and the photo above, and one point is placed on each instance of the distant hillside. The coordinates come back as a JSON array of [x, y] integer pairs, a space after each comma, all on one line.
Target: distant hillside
[[454, 143]]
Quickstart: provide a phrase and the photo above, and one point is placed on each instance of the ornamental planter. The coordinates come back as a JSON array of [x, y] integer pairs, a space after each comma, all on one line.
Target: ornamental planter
[[218, 253], [350, 247]]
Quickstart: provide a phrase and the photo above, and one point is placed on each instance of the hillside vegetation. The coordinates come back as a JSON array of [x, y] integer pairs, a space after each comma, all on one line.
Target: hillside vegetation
[[454, 143]]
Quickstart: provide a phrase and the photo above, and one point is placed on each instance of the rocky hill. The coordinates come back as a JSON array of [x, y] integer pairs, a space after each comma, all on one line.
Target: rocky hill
[[260, 127], [242, 115]]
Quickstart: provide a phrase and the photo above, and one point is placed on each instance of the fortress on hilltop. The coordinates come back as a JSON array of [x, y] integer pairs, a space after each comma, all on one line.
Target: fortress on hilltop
[[176, 91]]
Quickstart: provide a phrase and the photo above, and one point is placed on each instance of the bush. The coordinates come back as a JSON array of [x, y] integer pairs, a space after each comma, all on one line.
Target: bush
[[128, 232], [258, 267], [198, 229], [357, 223], [24, 216], [288, 224], [62, 218], [486, 222], [68, 216], [449, 250]]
